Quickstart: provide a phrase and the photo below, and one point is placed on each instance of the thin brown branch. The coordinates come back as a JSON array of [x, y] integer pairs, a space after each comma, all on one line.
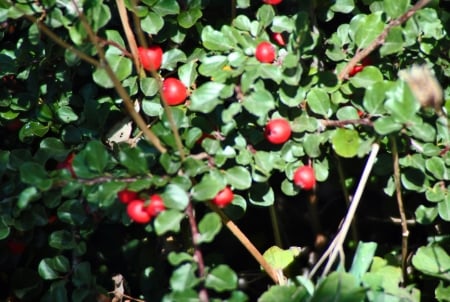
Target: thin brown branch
[[343, 123], [381, 38], [128, 33], [401, 207], [119, 88], [246, 243], [198, 256]]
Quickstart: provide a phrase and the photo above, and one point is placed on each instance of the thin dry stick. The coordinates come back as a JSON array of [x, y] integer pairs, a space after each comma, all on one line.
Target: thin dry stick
[[381, 38], [128, 32], [275, 226], [337, 243], [401, 208], [245, 242], [198, 256], [119, 88]]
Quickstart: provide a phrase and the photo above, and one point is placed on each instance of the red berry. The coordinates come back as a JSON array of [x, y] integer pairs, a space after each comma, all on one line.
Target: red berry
[[173, 91], [272, 2], [126, 195], [137, 211], [278, 37], [156, 205], [278, 131], [265, 52], [366, 61], [304, 178], [67, 164], [151, 57], [223, 198], [355, 70]]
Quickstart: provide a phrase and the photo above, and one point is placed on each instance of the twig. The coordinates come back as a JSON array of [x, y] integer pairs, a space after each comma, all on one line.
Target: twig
[[381, 38], [343, 123], [198, 256], [119, 88], [401, 208], [337, 243], [246, 243], [275, 226]]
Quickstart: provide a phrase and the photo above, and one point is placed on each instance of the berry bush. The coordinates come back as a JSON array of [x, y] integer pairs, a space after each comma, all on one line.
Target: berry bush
[[200, 150]]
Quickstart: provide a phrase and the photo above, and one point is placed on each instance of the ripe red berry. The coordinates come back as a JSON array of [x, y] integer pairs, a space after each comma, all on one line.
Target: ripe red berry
[[137, 211], [278, 37], [156, 205], [265, 52], [272, 2], [355, 70], [173, 91], [125, 196], [151, 57], [278, 131], [223, 198], [67, 164], [304, 178]]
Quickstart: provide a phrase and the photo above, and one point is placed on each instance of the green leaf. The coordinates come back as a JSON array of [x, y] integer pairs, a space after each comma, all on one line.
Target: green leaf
[[66, 114], [134, 160], [362, 259], [285, 293], [436, 165], [149, 86], [62, 240], [175, 197], [238, 177], [53, 268], [395, 9], [214, 40], [72, 212], [120, 65], [259, 102], [426, 215], [172, 57], [178, 258], [386, 125], [265, 15], [366, 78], [432, 260], [92, 161], [4, 229], [26, 196], [221, 278], [152, 23], [168, 221], [208, 187], [184, 277], [368, 29], [444, 208], [206, 97], [395, 41], [209, 226], [187, 73], [338, 286], [56, 292], [188, 18], [261, 194], [401, 103], [278, 258], [33, 129], [346, 142], [35, 175], [343, 6], [319, 102]]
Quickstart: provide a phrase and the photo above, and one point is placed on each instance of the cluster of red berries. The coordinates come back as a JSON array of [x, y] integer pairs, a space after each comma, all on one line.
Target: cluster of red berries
[[141, 210], [173, 90]]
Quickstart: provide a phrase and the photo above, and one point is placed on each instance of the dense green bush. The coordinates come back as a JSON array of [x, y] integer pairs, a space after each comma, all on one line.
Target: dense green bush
[[363, 84]]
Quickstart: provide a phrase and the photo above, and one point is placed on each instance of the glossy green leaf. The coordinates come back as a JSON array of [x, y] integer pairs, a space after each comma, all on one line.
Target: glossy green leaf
[[444, 208], [426, 215], [175, 197], [206, 97], [208, 187], [265, 15], [184, 277], [92, 161], [188, 18], [371, 26], [432, 260], [394, 41], [259, 102], [120, 65], [214, 40], [238, 177], [53, 268], [366, 78], [319, 102], [395, 9], [339, 285], [287, 293], [62, 240], [437, 167], [72, 212], [278, 258], [221, 278], [401, 103], [168, 221], [362, 259], [35, 174], [346, 142], [261, 194], [178, 258], [386, 125], [343, 6], [209, 226]]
